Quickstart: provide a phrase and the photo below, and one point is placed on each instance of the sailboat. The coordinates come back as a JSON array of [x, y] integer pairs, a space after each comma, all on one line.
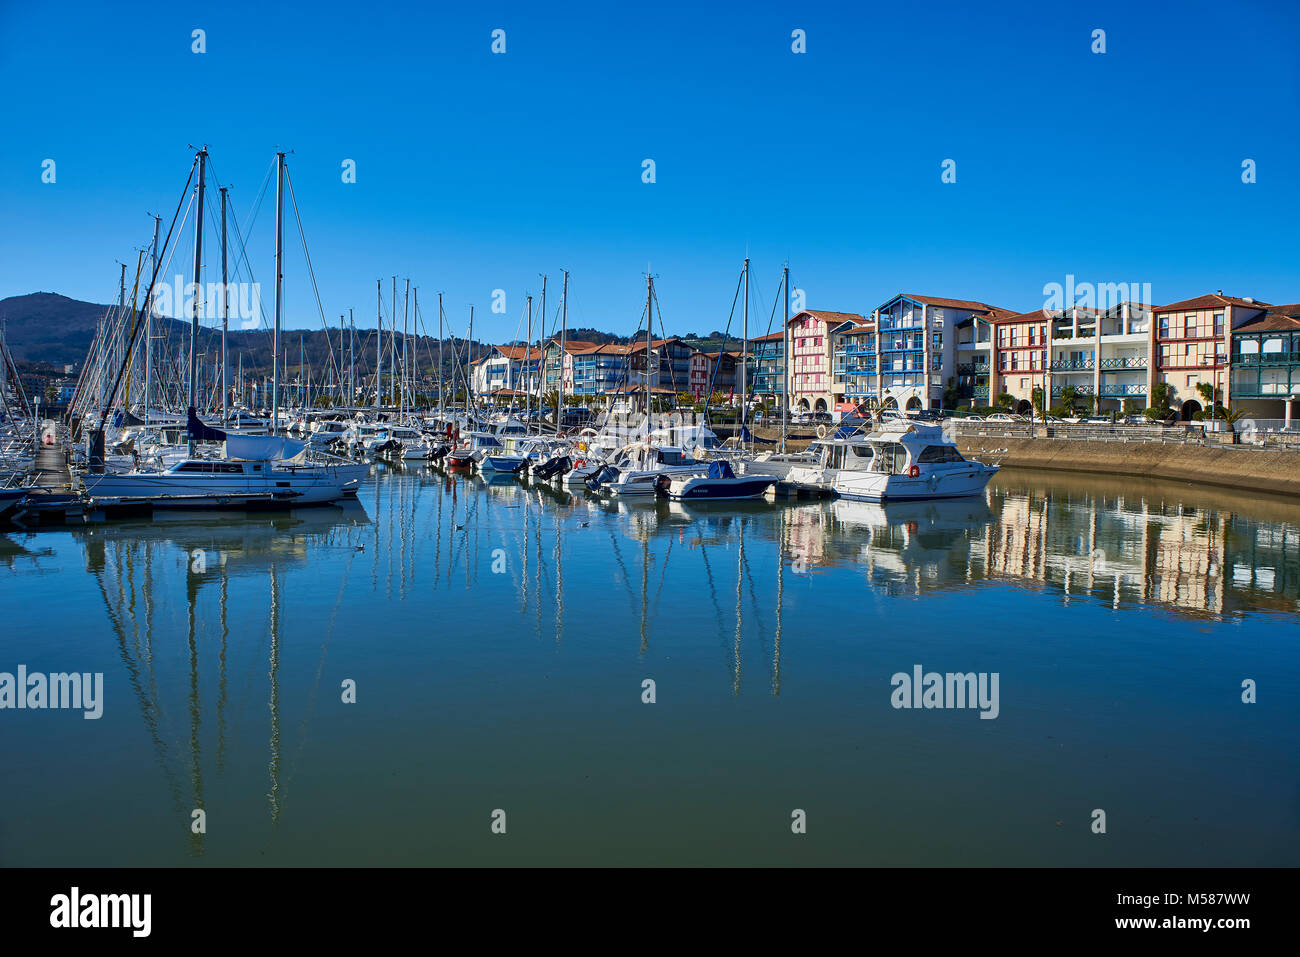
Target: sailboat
[[250, 471]]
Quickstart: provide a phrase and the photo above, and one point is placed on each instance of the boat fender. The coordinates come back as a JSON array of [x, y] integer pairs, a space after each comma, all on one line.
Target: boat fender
[[914, 471], [580, 463]]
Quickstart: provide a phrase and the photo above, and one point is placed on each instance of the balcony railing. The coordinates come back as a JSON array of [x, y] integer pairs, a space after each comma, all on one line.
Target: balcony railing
[[1072, 365], [1266, 358], [1124, 362], [1078, 389], [1121, 390]]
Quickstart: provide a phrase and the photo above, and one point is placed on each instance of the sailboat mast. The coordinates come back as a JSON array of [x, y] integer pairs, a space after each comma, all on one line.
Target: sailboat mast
[[744, 360], [564, 335], [225, 314], [441, 370], [379, 343], [148, 326], [528, 349], [786, 365], [649, 298], [198, 284], [406, 344], [352, 358], [279, 292]]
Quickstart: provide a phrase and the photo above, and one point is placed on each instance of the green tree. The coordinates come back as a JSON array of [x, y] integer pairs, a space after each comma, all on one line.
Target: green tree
[[1161, 397]]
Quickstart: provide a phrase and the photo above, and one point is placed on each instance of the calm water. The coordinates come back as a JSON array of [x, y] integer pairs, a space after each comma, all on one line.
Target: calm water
[[499, 634]]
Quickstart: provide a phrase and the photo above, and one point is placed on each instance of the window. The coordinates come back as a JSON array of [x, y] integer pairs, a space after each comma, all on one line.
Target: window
[[1164, 327], [1015, 360], [1191, 381], [937, 338], [1218, 323], [937, 362], [939, 453], [1189, 325]]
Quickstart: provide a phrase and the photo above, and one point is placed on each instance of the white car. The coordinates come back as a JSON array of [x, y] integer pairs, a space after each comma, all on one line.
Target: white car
[[1001, 417]]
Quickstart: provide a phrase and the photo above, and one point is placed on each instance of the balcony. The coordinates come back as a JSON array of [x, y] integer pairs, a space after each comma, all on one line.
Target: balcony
[[981, 392], [1266, 358], [1072, 365], [1116, 391], [973, 368], [1080, 390], [1125, 362]]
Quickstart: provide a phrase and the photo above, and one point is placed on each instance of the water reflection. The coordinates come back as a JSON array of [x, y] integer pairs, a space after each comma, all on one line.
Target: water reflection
[[140, 567], [209, 611]]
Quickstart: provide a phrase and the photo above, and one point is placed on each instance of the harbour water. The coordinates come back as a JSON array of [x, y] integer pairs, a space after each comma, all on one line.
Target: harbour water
[[499, 635]]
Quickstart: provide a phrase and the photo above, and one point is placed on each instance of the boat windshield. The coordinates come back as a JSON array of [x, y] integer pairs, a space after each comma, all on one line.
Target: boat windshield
[[890, 458]]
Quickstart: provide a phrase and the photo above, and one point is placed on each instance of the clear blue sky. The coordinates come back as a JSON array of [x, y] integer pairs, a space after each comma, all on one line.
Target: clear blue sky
[[478, 171]]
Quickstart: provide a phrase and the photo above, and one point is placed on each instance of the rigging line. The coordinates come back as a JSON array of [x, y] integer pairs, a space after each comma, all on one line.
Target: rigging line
[[108, 406], [722, 351], [310, 271], [672, 371]]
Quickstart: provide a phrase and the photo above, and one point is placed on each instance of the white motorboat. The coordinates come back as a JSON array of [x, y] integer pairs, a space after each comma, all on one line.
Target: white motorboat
[[912, 462]]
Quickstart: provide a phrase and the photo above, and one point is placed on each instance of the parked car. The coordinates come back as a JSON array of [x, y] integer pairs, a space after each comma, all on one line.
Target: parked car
[[1001, 417], [925, 415]]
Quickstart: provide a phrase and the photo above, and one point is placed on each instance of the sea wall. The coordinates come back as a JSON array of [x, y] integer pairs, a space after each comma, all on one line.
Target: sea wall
[[1237, 467]]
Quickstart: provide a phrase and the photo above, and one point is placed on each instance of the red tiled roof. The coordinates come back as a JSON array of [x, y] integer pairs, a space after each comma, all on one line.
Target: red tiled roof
[[519, 353], [1277, 319], [957, 303], [830, 318], [1038, 315], [769, 337], [1208, 301]]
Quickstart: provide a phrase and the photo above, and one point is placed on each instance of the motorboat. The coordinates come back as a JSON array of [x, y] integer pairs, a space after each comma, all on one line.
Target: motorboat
[[911, 462], [719, 483]]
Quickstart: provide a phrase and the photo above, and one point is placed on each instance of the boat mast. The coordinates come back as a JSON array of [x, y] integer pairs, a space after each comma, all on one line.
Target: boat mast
[[225, 314], [541, 366], [392, 345], [352, 358], [406, 344], [469, 365], [528, 348], [786, 366], [649, 297], [564, 334], [198, 265], [744, 360], [441, 368], [379, 343], [148, 328], [415, 352], [279, 292]]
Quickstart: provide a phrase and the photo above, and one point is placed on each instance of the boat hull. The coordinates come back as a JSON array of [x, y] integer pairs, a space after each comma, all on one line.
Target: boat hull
[[699, 489], [877, 487]]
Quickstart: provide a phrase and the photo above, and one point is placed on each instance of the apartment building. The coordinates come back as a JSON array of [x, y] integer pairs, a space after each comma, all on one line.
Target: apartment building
[[718, 370], [853, 370], [1265, 373], [811, 373], [767, 369], [917, 342], [1190, 344]]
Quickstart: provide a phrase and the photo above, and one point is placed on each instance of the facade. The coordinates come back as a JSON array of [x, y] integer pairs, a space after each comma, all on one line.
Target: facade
[[811, 353], [1101, 356], [1190, 345], [853, 364], [917, 340], [767, 369], [505, 368], [1265, 373], [719, 369], [557, 369], [1019, 357]]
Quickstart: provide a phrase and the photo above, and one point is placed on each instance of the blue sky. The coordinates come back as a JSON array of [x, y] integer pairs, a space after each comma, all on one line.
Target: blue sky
[[478, 171]]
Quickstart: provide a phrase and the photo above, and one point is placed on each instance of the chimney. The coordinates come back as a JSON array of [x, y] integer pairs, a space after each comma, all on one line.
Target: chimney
[[1219, 292]]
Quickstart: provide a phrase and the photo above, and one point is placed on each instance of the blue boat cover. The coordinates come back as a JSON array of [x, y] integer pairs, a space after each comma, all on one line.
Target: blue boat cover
[[198, 432], [721, 469]]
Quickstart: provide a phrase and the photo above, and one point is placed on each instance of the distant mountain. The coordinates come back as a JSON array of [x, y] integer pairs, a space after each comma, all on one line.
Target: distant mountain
[[47, 327]]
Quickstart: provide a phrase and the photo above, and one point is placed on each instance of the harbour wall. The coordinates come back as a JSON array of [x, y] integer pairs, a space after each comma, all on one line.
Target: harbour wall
[[1238, 467]]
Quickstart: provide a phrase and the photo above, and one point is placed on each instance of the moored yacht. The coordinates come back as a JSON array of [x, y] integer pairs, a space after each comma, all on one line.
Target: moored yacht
[[911, 462]]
